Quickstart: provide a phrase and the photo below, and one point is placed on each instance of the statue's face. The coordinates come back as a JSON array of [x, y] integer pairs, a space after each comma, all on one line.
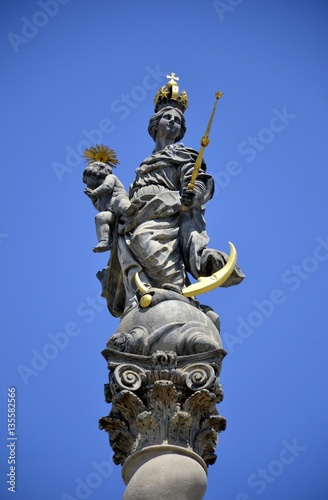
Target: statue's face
[[99, 170], [169, 125], [95, 173]]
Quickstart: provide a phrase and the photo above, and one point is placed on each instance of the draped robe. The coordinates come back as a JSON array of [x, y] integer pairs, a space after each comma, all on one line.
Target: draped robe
[[161, 241]]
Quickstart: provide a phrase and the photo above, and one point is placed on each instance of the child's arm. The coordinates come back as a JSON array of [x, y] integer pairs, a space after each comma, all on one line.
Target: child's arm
[[106, 187]]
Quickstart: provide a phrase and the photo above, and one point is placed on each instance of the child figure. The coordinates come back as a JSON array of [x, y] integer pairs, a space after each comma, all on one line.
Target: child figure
[[106, 192]]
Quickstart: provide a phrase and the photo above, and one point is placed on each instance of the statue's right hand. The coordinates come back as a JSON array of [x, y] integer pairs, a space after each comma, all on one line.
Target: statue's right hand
[[188, 198], [89, 192]]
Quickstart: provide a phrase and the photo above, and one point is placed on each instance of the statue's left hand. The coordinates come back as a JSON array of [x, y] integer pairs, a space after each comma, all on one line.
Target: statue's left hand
[[188, 197]]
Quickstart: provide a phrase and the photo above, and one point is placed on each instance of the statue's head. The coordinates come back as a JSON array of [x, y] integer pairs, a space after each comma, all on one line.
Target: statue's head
[[155, 119], [101, 161], [96, 172]]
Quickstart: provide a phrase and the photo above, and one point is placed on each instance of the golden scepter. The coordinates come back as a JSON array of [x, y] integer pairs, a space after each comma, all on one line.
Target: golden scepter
[[203, 143]]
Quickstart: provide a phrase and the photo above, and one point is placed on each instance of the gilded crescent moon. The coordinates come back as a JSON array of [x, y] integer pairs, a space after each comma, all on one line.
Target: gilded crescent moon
[[204, 284], [209, 283], [142, 287]]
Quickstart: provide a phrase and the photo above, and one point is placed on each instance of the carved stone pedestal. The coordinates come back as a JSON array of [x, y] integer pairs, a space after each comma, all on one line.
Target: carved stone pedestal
[[163, 425]]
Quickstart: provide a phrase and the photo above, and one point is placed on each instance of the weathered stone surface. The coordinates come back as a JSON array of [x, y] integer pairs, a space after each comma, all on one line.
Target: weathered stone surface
[[168, 325], [165, 472], [163, 399]]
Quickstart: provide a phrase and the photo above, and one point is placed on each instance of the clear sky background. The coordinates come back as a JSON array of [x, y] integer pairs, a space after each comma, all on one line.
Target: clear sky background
[[78, 71]]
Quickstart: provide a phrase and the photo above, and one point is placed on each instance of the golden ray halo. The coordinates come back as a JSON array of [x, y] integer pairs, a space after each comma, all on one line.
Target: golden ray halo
[[101, 153]]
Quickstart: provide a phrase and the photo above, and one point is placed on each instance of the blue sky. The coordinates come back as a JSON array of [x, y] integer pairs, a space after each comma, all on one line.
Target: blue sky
[[76, 71]]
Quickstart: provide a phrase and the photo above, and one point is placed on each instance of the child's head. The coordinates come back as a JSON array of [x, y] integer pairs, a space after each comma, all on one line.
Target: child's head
[[95, 173]]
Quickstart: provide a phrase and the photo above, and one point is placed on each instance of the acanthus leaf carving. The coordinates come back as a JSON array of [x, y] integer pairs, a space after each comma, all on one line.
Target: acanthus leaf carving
[[169, 401], [179, 429], [149, 429]]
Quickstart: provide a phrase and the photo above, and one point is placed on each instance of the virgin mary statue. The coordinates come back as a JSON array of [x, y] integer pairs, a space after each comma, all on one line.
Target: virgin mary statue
[[164, 237]]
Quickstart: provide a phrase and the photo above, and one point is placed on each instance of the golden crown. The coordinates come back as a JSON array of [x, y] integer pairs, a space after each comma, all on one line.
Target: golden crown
[[169, 95]]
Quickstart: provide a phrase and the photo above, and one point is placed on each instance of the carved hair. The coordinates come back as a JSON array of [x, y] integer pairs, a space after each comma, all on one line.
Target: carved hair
[[153, 123], [97, 170]]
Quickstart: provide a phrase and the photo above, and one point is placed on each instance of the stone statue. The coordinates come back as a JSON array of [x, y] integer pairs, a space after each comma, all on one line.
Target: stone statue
[[167, 344], [106, 192], [158, 239]]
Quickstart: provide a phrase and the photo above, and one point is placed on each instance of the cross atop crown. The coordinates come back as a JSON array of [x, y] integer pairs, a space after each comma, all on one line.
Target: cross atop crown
[[173, 78]]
